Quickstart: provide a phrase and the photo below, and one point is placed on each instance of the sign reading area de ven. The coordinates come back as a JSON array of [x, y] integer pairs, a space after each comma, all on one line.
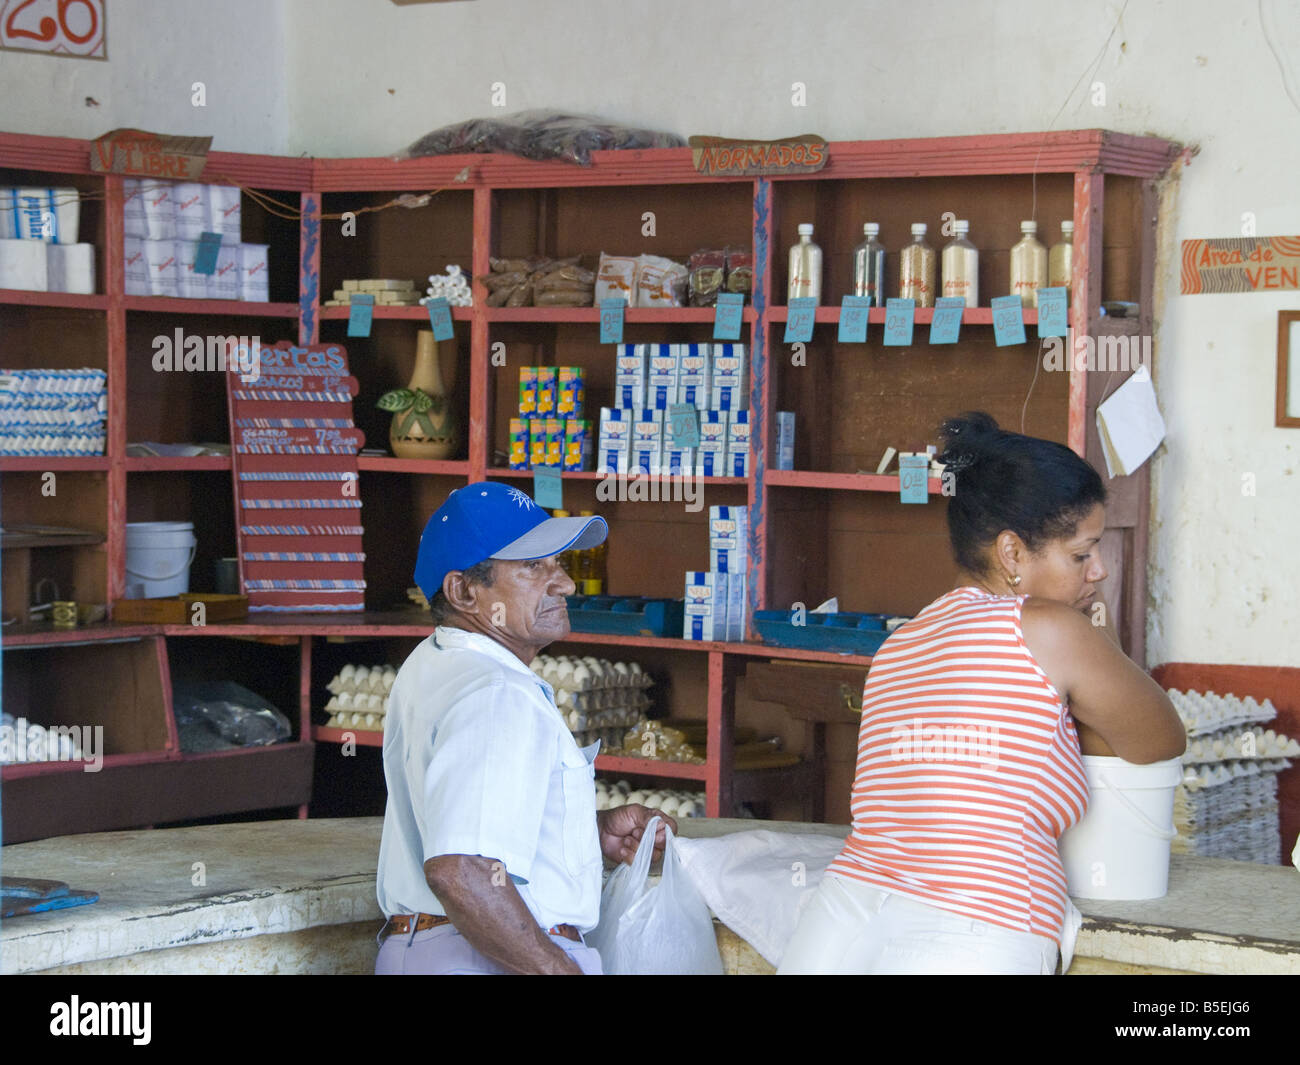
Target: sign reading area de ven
[[1241, 264]]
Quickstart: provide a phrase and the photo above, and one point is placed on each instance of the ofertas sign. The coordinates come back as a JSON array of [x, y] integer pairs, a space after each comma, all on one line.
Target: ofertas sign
[[1241, 264], [135, 152], [723, 157]]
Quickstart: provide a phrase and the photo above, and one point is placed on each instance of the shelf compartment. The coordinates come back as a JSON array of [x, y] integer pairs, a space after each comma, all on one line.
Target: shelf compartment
[[392, 464], [176, 463], [150, 793]]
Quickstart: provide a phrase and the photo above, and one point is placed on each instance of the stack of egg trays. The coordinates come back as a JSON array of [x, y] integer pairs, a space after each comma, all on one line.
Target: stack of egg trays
[[359, 697], [1226, 806], [598, 699]]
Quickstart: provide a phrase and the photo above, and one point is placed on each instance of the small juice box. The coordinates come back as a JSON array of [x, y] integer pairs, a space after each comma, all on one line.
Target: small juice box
[[662, 376], [577, 444], [647, 441], [615, 440], [547, 383], [710, 456], [528, 391], [629, 376], [553, 431], [537, 442], [519, 444], [738, 444], [571, 392], [693, 365]]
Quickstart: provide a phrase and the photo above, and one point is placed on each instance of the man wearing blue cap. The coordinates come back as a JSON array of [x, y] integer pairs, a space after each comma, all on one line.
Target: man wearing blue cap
[[491, 853]]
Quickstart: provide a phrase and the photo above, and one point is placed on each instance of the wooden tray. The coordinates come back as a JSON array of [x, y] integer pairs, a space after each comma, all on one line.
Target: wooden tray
[[175, 610]]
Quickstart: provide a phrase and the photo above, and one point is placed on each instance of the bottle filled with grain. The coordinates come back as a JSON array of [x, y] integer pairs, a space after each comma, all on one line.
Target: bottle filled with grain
[[1028, 265], [805, 266], [869, 266], [1060, 259], [916, 269], [961, 265]]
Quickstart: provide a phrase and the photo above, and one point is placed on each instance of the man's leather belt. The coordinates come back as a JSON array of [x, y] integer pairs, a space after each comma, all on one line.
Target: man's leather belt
[[400, 924]]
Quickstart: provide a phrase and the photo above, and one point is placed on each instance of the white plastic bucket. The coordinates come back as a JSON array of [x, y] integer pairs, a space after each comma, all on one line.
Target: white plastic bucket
[[158, 557], [1120, 850]]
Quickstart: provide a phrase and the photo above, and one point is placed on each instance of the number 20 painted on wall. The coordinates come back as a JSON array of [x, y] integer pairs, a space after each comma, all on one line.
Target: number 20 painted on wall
[[72, 28]]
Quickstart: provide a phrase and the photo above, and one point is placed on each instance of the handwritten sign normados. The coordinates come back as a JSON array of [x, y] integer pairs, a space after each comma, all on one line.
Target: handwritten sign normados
[[1241, 264], [724, 157]]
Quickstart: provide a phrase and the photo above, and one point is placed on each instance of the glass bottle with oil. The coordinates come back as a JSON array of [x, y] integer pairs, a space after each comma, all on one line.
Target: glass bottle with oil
[[1028, 265]]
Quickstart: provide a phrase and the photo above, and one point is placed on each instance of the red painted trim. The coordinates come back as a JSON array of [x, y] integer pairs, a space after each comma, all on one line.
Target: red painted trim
[[921, 316], [650, 767], [29, 298], [363, 737], [480, 367], [58, 464], [243, 752], [1089, 199], [590, 475], [114, 286], [225, 308], [850, 482], [21, 770], [169, 705], [410, 314], [175, 463], [434, 467]]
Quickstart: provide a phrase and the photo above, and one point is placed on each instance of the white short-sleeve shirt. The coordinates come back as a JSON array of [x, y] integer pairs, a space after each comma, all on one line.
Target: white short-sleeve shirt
[[479, 761]]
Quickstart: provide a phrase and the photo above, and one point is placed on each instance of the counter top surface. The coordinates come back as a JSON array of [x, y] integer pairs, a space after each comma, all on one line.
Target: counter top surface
[[169, 888]]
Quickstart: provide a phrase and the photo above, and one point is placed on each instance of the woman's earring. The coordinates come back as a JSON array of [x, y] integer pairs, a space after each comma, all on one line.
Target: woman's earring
[[1014, 581]]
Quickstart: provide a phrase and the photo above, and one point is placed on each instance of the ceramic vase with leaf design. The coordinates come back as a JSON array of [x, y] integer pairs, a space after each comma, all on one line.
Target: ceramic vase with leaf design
[[424, 424]]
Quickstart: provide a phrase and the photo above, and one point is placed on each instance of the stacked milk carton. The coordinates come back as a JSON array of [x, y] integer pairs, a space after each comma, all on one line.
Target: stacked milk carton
[[716, 604], [636, 433], [550, 429], [163, 221], [38, 241]]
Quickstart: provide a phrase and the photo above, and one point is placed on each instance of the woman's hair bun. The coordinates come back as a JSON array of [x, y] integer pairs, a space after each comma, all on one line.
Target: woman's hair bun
[[965, 438]]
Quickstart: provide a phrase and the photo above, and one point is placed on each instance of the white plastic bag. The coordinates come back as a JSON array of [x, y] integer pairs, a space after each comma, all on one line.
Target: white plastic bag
[[661, 929]]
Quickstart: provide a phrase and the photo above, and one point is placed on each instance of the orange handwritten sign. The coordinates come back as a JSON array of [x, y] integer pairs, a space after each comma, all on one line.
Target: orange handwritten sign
[[723, 157], [70, 28], [135, 152], [1241, 264]]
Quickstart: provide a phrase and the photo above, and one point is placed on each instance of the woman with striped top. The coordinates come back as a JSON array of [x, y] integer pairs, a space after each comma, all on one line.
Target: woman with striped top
[[974, 715]]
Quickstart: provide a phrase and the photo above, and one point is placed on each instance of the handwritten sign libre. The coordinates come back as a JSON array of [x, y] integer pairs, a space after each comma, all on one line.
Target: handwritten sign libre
[[1241, 264], [135, 152], [724, 156], [72, 29]]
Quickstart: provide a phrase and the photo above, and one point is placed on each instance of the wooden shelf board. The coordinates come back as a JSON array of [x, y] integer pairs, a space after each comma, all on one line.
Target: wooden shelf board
[[651, 767], [175, 463], [633, 315], [363, 737], [29, 298], [23, 770], [921, 316], [590, 475], [850, 482], [391, 464], [230, 308], [413, 314], [44, 634], [57, 463]]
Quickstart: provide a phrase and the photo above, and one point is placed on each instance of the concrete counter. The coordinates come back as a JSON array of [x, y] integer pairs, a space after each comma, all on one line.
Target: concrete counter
[[299, 897]]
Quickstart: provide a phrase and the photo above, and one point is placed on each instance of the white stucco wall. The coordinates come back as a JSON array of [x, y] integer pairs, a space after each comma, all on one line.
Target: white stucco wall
[[365, 77], [157, 50]]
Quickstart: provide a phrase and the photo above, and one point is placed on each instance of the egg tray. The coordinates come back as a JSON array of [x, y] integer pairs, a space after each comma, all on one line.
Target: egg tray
[[1203, 713], [359, 697], [1251, 839], [676, 803], [616, 718], [588, 673], [601, 699], [1217, 806], [1238, 743], [1217, 774]]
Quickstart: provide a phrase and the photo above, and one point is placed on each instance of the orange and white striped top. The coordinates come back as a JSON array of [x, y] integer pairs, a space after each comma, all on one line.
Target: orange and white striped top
[[968, 769]]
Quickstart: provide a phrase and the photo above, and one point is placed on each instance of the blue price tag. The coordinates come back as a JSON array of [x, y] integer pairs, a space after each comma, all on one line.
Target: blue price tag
[[440, 319], [728, 315], [685, 425], [1052, 320], [853, 319], [548, 488], [946, 323], [914, 478], [205, 255], [611, 321], [899, 316], [361, 309], [1008, 320], [801, 319]]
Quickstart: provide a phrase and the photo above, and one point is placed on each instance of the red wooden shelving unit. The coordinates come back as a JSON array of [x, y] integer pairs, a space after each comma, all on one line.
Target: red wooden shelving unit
[[817, 529]]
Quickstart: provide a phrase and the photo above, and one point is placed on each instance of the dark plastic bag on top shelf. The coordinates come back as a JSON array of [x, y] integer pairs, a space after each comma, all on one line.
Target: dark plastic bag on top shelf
[[538, 135], [219, 715]]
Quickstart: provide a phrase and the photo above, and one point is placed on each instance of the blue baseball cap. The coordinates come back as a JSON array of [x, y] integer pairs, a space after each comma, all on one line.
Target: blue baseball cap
[[492, 520]]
